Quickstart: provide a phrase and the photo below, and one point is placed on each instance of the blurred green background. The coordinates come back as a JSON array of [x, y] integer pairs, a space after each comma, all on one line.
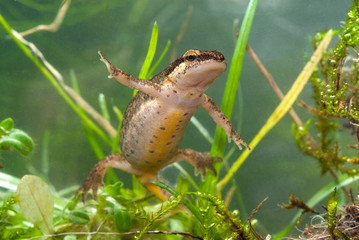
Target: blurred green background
[[121, 29]]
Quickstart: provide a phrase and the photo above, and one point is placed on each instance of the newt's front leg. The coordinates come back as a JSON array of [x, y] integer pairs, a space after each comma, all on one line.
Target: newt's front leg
[[221, 119], [130, 81]]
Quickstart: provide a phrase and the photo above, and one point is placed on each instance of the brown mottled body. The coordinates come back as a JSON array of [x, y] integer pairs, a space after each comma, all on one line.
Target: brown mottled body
[[156, 118], [150, 136]]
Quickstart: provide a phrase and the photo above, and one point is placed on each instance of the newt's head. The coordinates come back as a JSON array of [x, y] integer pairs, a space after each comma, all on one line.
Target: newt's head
[[197, 69]]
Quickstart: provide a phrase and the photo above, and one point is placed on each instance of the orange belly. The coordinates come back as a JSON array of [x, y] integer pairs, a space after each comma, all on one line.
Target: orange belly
[[153, 135]]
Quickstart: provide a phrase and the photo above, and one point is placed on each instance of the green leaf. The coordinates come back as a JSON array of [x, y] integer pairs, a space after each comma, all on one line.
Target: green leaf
[[182, 185], [18, 140], [79, 217], [137, 187], [70, 237], [114, 189], [6, 125], [36, 202], [122, 218]]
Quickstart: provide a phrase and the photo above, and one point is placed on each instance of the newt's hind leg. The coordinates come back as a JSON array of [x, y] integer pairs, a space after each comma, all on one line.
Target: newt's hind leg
[[201, 161], [146, 180], [94, 179]]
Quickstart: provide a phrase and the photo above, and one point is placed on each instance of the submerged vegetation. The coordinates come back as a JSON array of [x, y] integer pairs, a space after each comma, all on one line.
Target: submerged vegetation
[[335, 87], [12, 138], [335, 91], [200, 213]]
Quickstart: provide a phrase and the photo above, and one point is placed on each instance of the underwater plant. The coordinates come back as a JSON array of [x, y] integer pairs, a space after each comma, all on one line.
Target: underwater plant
[[194, 210]]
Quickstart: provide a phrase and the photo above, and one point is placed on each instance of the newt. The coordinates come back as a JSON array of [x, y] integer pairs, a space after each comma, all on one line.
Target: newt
[[156, 118]]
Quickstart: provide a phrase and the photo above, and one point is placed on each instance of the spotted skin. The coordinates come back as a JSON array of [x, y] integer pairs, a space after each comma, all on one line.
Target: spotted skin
[[156, 118], [157, 136]]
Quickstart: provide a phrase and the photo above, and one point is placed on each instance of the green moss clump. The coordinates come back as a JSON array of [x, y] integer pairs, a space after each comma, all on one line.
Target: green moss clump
[[335, 91]]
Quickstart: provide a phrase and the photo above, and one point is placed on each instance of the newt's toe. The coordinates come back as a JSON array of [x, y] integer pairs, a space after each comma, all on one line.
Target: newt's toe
[[205, 162], [92, 182]]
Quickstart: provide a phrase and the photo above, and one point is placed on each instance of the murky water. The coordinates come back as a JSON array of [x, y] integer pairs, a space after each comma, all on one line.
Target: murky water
[[122, 29]]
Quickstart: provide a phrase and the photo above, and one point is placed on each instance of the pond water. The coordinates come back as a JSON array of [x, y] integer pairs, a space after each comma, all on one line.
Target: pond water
[[122, 29]]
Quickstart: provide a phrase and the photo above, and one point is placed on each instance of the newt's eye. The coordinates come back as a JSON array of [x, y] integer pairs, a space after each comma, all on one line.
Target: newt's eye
[[190, 57]]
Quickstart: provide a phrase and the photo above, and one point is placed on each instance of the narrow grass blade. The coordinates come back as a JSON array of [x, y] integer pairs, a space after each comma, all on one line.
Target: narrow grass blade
[[150, 54], [230, 92], [202, 130], [187, 203], [159, 60], [233, 77], [74, 82], [187, 176], [95, 146], [45, 161], [282, 108], [103, 106], [52, 80], [8, 182], [115, 143]]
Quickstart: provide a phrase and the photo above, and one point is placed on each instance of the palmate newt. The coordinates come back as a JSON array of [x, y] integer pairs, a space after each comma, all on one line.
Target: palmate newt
[[156, 118]]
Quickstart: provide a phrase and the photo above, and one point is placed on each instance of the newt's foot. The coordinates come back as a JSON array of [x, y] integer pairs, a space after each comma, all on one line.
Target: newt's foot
[[239, 141], [205, 162], [92, 182], [94, 179], [201, 161]]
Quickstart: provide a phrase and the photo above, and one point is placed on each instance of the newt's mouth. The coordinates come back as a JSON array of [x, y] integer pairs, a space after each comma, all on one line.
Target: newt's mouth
[[202, 75]]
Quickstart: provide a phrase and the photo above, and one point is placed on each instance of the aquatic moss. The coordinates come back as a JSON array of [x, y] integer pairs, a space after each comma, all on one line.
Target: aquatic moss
[[335, 87]]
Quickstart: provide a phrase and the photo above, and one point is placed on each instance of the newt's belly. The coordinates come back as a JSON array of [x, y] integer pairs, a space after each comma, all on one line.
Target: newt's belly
[[152, 133]]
